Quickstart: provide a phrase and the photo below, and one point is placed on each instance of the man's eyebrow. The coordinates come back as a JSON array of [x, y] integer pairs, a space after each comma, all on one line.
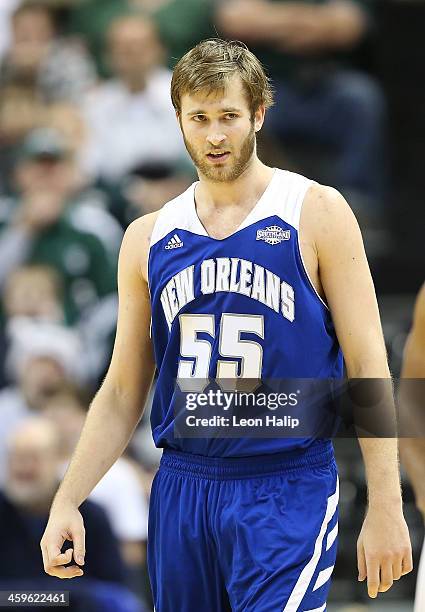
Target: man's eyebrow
[[222, 110]]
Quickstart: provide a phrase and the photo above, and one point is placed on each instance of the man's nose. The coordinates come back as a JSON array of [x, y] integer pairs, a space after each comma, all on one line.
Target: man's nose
[[216, 138]]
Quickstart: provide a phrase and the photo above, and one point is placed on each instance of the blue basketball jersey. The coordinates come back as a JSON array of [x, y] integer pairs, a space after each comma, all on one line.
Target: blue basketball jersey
[[242, 306]]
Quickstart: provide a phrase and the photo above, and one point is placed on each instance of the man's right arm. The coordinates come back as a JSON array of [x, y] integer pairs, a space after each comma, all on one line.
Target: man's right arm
[[116, 408]]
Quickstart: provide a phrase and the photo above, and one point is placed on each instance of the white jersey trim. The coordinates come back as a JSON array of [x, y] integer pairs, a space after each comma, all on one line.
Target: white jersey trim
[[283, 197], [173, 216]]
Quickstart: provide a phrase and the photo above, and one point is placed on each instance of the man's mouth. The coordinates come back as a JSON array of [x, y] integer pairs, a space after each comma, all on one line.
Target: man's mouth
[[220, 156]]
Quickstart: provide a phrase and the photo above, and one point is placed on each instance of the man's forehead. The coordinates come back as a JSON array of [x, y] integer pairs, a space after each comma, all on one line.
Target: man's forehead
[[231, 96]]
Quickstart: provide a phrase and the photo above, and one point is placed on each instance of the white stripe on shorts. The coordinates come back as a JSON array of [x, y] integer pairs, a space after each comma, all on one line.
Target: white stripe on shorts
[[332, 537], [323, 577], [306, 575], [322, 609]]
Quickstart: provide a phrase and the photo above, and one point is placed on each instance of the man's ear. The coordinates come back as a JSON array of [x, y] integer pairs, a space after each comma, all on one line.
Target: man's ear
[[259, 116]]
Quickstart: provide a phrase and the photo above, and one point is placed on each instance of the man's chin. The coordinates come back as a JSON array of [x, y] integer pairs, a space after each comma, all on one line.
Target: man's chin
[[219, 173], [218, 176]]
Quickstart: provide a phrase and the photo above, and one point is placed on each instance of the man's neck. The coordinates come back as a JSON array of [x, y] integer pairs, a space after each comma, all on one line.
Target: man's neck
[[247, 188]]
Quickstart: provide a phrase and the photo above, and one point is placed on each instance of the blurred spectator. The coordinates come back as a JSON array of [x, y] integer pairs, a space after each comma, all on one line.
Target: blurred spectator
[[31, 482], [49, 220], [30, 291], [148, 187], [67, 120], [181, 23], [41, 359], [37, 56], [31, 339], [130, 118], [317, 101], [33, 304], [34, 291], [20, 112]]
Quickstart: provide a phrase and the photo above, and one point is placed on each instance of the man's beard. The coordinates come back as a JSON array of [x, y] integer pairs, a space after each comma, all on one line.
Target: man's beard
[[233, 169]]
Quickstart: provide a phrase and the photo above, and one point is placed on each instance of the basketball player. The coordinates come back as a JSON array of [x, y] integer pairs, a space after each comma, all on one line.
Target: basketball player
[[412, 450], [253, 272]]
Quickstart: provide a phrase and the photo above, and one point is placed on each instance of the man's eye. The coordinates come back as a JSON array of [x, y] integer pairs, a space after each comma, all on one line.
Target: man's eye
[[231, 116], [199, 118]]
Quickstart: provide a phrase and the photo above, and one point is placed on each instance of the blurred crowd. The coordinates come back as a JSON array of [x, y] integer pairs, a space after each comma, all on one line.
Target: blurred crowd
[[89, 142]]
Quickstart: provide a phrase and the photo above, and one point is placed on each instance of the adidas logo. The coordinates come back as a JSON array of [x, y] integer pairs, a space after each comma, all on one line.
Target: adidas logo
[[174, 243]]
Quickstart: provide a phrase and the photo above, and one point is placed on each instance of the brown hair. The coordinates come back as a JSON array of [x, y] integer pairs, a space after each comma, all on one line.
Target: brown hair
[[212, 63]]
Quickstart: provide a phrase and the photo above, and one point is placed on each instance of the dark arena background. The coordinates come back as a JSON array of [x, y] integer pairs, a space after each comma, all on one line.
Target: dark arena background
[[88, 143]]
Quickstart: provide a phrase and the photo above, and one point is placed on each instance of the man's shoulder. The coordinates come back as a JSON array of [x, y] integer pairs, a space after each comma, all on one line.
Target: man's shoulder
[[325, 216], [324, 201], [305, 198], [139, 232]]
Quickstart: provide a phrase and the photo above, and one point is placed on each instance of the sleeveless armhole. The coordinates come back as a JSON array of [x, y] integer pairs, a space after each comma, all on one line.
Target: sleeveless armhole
[[173, 215], [295, 188]]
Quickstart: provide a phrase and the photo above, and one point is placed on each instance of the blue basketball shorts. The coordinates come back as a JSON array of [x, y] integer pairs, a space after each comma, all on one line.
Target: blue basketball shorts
[[248, 534]]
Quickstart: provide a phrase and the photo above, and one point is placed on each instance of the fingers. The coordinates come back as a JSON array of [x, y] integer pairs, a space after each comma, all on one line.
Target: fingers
[[381, 572], [53, 561], [79, 539], [397, 568], [48, 552], [54, 567], [73, 571], [65, 524], [386, 575], [361, 562], [407, 561], [373, 578]]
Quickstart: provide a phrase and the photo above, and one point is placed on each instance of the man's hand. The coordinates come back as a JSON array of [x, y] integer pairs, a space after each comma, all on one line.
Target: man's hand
[[65, 523], [384, 553]]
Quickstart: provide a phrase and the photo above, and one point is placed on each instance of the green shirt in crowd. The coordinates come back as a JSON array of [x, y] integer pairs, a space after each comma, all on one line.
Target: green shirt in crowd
[[86, 269]]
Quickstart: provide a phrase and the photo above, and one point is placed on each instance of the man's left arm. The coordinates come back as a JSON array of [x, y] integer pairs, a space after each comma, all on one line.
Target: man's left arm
[[412, 403], [383, 548]]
